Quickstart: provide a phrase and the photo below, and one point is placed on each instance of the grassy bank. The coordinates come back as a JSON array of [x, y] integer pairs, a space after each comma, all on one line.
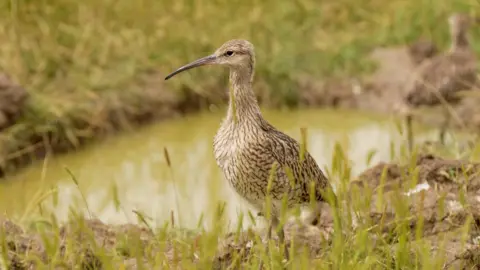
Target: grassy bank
[[93, 67]]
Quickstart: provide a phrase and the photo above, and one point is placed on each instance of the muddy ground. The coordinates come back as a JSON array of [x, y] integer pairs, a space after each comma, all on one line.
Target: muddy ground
[[443, 209], [451, 199]]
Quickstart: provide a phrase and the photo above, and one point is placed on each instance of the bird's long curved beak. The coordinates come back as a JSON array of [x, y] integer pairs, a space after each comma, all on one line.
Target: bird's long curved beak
[[208, 60]]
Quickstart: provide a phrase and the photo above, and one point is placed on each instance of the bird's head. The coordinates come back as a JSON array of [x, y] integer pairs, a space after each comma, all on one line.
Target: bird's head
[[236, 54], [460, 23]]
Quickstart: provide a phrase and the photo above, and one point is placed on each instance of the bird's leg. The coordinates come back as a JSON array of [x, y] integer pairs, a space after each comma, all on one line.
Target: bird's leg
[[269, 237], [274, 223], [281, 234], [271, 222]]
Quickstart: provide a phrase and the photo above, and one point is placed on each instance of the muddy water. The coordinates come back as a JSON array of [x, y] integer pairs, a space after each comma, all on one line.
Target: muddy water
[[131, 169]]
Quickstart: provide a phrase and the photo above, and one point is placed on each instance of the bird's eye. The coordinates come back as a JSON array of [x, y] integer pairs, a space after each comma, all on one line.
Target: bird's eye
[[229, 53]]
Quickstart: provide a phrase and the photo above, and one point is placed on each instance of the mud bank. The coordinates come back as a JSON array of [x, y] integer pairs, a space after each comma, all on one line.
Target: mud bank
[[444, 199], [446, 215], [149, 98], [436, 215]]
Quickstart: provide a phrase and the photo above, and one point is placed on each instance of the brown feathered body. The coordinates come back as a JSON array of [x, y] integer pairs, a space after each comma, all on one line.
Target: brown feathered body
[[246, 146], [246, 152], [443, 76]]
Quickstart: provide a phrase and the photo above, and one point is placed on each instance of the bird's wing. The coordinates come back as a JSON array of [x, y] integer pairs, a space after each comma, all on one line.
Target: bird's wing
[[286, 152]]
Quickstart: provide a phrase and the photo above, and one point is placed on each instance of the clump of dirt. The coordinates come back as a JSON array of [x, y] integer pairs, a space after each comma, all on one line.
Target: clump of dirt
[[12, 101], [336, 93], [381, 92], [385, 88], [81, 243], [444, 174], [449, 199]]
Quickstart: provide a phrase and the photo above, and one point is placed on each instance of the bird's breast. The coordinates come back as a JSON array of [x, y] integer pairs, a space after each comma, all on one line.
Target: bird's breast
[[229, 146], [225, 146]]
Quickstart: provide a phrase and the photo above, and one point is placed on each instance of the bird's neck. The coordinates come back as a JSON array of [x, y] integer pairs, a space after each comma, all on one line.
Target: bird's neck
[[460, 41], [243, 105]]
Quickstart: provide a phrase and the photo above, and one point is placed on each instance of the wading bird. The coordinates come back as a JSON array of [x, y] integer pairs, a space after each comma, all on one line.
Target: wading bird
[[247, 148]]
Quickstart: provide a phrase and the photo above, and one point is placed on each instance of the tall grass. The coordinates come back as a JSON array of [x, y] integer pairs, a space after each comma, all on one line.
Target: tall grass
[[390, 243], [67, 46]]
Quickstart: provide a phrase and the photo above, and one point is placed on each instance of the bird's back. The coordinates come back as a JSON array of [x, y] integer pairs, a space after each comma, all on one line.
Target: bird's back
[[303, 170], [247, 153]]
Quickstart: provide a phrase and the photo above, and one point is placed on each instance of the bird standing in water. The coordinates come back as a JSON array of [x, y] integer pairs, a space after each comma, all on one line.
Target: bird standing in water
[[247, 147]]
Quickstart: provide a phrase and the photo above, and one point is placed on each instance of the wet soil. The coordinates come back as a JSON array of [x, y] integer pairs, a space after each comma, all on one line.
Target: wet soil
[[446, 215]]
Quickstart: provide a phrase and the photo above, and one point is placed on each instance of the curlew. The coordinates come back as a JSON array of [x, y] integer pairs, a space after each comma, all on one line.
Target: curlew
[[246, 146], [439, 79], [444, 75], [421, 50]]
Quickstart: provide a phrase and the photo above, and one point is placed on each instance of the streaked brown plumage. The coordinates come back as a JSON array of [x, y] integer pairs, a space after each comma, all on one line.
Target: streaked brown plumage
[[246, 146], [446, 74]]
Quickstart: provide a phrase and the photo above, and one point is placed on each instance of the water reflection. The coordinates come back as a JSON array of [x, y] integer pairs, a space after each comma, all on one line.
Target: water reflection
[[134, 164]]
